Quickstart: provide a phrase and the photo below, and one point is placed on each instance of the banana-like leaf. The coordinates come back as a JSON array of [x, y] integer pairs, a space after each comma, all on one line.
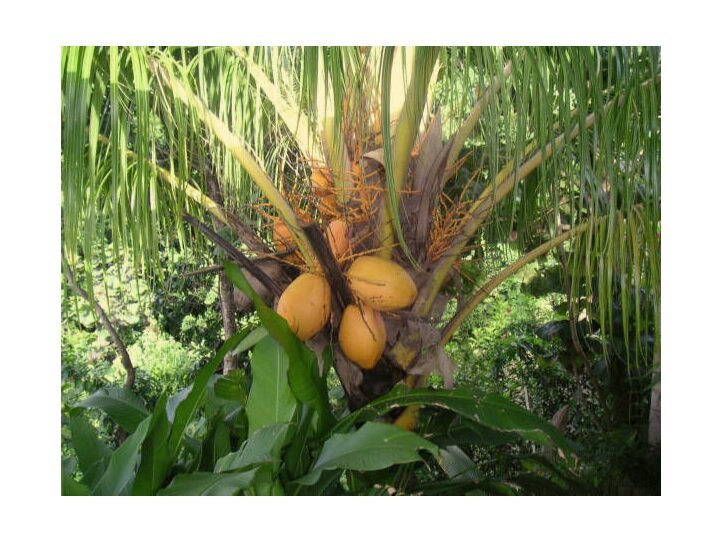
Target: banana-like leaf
[[209, 484], [373, 447], [490, 410], [121, 405], [271, 399]]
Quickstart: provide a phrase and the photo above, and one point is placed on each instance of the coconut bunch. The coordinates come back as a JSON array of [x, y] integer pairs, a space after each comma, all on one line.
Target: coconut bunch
[[378, 287], [377, 311], [363, 294]]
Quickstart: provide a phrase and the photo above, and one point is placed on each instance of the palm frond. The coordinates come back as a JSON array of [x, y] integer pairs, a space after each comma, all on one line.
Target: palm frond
[[540, 140]]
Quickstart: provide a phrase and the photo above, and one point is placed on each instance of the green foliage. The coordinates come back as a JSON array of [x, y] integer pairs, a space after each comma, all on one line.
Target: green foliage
[[215, 437], [374, 446], [278, 434], [162, 364], [123, 407], [186, 306], [518, 344], [165, 363]]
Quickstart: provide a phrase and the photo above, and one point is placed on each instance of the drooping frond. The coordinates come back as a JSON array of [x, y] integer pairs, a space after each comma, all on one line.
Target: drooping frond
[[538, 140]]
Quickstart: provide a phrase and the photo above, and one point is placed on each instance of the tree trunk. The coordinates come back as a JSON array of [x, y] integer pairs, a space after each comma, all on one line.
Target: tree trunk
[[227, 302]]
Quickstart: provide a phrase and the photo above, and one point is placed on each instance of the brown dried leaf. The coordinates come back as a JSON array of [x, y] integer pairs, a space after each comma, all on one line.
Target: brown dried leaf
[[377, 156], [242, 301], [435, 360], [429, 151], [446, 367], [317, 345]]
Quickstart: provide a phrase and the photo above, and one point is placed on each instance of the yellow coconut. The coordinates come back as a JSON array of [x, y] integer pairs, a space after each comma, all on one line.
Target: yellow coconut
[[323, 189], [362, 335], [381, 283], [321, 181], [337, 236], [282, 239], [305, 304]]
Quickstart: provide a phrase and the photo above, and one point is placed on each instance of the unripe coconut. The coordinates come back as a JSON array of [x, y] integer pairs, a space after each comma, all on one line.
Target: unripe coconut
[[337, 236], [362, 335], [305, 304], [381, 283]]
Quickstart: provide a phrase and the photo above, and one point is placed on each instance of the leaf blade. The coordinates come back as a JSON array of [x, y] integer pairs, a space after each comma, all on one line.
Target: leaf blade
[[209, 484], [120, 474], [373, 447], [122, 406]]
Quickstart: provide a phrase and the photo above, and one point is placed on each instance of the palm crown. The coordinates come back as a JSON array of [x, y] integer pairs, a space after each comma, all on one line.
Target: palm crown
[[421, 153]]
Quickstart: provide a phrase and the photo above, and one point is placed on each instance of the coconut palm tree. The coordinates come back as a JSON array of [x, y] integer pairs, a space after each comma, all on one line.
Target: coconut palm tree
[[418, 155]]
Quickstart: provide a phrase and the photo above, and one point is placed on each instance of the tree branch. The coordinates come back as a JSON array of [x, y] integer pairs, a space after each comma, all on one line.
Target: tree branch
[[338, 285], [105, 320], [236, 255]]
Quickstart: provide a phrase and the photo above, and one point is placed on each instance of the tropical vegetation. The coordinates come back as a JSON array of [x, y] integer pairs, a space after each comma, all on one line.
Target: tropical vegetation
[[405, 189]]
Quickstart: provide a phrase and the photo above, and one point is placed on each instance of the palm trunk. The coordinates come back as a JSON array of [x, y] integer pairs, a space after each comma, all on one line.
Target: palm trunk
[[227, 302]]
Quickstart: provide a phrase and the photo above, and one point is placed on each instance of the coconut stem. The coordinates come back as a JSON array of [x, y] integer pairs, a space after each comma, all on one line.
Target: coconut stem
[[256, 271], [342, 295]]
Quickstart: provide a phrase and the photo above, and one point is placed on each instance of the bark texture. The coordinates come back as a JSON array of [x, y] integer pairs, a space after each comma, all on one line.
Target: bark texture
[[227, 302]]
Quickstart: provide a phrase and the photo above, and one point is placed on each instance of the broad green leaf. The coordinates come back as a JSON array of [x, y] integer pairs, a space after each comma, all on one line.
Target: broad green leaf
[[119, 476], [457, 465], [209, 484], [187, 409], [155, 454], [270, 399], [297, 457], [262, 447], [175, 400], [325, 485], [213, 404], [563, 477], [255, 336], [303, 375], [231, 386], [93, 454], [121, 405], [70, 487], [216, 444], [68, 465], [492, 411], [483, 487], [463, 430], [373, 447]]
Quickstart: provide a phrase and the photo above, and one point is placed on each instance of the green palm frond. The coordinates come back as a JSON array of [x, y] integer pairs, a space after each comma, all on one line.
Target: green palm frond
[[538, 138]]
